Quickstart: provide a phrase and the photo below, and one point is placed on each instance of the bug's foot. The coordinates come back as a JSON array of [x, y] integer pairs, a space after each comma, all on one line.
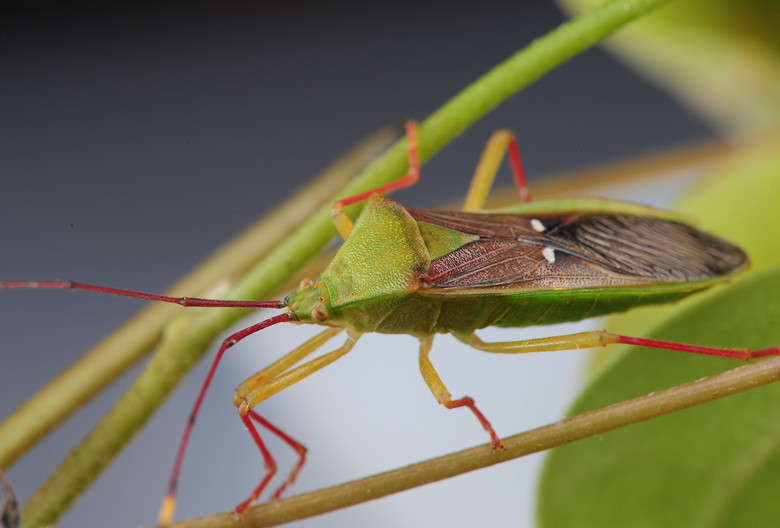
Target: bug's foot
[[239, 510]]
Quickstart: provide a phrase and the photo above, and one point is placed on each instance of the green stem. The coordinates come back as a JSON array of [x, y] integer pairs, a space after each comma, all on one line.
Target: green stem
[[184, 346]]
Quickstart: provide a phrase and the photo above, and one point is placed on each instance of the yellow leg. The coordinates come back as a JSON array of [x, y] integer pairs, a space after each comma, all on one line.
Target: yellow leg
[[268, 382], [259, 388], [430, 375], [287, 361], [341, 220], [597, 338], [444, 397], [496, 147], [601, 338], [339, 217]]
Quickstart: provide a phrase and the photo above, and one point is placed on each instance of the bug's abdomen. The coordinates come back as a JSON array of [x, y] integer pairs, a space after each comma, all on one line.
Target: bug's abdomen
[[468, 312]]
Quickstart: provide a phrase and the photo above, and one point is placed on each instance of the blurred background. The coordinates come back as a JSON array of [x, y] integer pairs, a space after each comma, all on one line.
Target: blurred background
[[134, 141]]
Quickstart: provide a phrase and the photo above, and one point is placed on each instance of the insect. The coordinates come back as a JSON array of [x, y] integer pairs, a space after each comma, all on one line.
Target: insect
[[423, 272]]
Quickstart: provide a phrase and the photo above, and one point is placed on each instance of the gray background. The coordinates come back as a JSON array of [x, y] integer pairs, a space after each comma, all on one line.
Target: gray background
[[134, 141]]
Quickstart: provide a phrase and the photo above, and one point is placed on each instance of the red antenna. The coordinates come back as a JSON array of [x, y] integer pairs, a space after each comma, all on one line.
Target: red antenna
[[169, 503]]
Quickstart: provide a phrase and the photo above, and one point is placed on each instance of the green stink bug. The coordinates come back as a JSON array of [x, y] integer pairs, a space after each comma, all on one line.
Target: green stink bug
[[422, 272]]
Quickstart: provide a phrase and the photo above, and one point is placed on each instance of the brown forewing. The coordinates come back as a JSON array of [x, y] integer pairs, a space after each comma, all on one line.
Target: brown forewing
[[569, 250]]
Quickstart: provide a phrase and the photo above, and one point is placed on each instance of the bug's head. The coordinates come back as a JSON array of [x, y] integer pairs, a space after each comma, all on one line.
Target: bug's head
[[310, 303]]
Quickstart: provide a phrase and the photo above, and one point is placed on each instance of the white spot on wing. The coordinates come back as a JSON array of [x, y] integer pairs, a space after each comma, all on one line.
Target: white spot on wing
[[537, 225], [549, 254]]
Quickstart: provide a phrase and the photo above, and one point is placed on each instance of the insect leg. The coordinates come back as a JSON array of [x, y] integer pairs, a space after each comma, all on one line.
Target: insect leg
[[444, 397], [287, 361], [260, 387], [603, 338], [297, 446], [168, 505], [500, 142], [269, 372], [338, 216]]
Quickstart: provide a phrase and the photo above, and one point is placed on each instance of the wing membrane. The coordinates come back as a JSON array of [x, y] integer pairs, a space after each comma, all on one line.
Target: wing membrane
[[571, 250]]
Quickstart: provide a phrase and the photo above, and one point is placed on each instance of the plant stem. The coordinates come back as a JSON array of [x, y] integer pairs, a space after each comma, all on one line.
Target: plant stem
[[572, 429]]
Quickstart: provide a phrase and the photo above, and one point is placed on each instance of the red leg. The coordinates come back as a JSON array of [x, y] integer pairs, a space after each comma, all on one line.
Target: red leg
[[270, 465], [517, 171], [443, 395], [414, 171], [735, 353], [169, 503], [271, 380], [467, 401], [413, 175], [291, 478], [297, 446], [501, 143], [408, 180]]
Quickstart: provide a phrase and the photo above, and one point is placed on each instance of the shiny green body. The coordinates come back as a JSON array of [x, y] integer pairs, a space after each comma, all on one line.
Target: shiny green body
[[380, 279]]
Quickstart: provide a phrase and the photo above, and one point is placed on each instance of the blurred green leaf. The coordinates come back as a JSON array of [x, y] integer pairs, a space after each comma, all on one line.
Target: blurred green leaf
[[720, 57], [709, 466], [741, 204], [716, 464], [712, 465]]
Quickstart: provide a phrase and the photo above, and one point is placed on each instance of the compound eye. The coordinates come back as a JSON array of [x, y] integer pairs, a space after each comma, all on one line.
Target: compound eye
[[306, 282], [319, 314]]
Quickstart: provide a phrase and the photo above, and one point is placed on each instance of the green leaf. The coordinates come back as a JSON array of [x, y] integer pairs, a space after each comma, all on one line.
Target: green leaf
[[741, 205], [712, 465], [719, 57]]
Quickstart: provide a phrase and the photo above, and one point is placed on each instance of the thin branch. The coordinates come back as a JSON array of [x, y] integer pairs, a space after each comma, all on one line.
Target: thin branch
[[575, 428]]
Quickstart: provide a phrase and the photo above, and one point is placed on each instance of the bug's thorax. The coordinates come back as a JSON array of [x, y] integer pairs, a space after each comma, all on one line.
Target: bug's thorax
[[380, 264], [384, 255]]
